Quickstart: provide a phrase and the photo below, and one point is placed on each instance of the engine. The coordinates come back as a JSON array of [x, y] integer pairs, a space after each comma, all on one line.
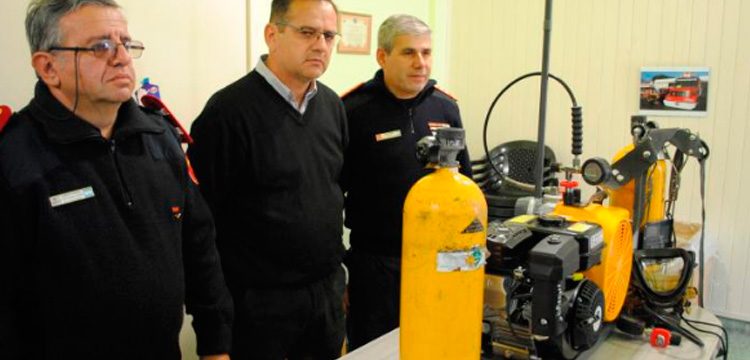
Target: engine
[[549, 267]]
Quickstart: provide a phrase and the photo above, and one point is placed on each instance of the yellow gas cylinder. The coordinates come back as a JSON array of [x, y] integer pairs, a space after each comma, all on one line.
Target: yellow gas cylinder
[[655, 186], [442, 271]]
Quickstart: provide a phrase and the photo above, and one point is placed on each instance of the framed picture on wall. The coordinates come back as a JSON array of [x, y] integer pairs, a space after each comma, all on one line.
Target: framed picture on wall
[[355, 30], [674, 91]]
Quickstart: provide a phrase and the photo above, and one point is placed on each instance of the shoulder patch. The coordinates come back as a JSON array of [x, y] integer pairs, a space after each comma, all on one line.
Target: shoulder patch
[[5, 113], [153, 103], [353, 89], [445, 93]]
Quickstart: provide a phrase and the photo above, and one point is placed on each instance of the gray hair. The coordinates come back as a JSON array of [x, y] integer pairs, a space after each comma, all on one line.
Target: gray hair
[[397, 25], [43, 20]]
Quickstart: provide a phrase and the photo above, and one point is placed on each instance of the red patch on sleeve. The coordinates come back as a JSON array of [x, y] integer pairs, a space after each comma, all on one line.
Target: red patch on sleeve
[[154, 103], [191, 172], [5, 113]]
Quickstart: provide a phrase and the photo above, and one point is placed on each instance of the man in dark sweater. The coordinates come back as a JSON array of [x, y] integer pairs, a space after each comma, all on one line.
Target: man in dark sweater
[[103, 235], [268, 152], [387, 116]]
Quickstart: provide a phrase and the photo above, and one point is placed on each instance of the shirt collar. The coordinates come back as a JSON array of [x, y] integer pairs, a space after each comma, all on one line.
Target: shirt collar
[[282, 89], [61, 126]]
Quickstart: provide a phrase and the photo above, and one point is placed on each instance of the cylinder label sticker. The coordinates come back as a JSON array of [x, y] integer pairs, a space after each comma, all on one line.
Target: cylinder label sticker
[[474, 227], [460, 260]]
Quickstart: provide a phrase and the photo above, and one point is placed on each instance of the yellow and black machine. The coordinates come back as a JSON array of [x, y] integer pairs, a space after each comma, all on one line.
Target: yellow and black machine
[[559, 274], [561, 278]]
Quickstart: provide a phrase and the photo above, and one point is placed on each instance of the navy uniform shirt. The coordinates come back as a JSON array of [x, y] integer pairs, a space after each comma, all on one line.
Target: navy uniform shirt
[[380, 164]]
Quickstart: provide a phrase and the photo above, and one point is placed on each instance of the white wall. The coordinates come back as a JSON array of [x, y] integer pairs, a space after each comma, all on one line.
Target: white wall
[[259, 12], [598, 48], [193, 48], [16, 76]]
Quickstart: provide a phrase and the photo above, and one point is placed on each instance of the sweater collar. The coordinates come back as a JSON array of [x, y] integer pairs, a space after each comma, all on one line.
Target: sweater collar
[[61, 126], [282, 89]]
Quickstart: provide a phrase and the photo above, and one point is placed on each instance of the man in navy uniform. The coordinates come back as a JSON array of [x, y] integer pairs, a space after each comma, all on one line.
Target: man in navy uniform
[[387, 116], [105, 237]]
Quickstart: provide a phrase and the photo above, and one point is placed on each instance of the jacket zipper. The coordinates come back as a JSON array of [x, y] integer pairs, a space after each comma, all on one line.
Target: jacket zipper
[[123, 185], [411, 119]]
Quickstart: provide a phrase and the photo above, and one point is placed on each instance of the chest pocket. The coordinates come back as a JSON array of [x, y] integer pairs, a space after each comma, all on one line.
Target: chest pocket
[[392, 151], [75, 208], [78, 216]]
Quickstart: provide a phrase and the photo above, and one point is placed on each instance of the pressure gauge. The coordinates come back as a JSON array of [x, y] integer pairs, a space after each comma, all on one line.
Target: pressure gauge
[[596, 171]]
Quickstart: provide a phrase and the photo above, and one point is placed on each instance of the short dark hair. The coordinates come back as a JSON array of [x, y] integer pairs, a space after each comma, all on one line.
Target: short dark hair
[[279, 9], [43, 20]]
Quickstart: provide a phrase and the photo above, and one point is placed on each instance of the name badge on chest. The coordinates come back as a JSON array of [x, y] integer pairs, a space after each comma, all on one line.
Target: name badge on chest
[[71, 196], [387, 135]]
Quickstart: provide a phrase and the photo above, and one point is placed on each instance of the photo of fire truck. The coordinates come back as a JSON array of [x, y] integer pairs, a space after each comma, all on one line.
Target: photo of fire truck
[[676, 91], [684, 93]]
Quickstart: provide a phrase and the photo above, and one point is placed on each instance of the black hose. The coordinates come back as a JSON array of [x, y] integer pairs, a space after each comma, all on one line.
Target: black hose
[[573, 100], [577, 143]]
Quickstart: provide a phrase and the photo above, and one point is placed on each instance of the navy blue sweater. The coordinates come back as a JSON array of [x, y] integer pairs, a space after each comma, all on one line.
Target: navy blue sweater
[[271, 176]]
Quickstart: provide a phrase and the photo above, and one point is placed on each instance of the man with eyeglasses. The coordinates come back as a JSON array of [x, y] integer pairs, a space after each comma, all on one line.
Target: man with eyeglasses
[[387, 116], [103, 235], [268, 152]]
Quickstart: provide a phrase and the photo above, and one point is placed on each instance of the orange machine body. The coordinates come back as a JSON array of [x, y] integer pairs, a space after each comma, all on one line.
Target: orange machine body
[[612, 275]]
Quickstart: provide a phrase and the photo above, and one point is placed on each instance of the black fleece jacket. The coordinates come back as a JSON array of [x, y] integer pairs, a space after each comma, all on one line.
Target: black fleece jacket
[[103, 241]]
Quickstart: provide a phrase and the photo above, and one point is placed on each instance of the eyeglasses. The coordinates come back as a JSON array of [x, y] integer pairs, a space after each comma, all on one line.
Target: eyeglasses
[[107, 48], [311, 34]]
